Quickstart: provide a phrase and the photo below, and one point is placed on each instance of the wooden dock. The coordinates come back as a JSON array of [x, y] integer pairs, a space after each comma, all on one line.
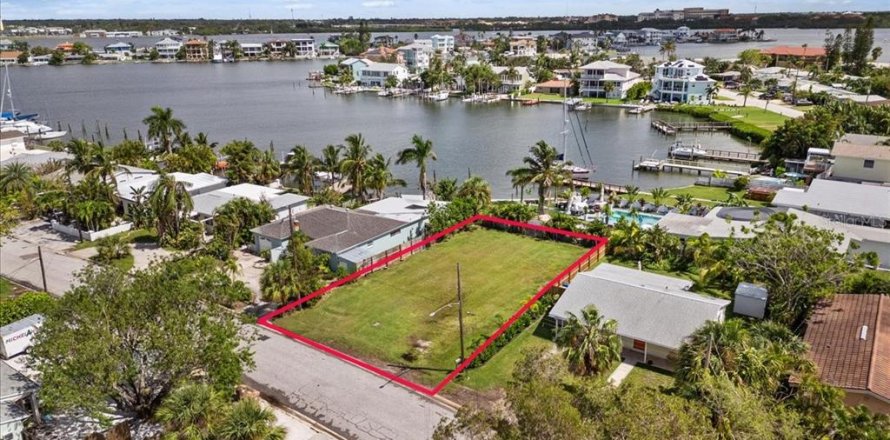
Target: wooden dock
[[725, 156], [677, 165], [672, 128], [608, 187]]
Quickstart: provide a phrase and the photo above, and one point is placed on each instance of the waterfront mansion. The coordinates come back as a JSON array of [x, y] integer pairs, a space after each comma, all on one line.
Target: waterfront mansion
[[605, 79], [680, 81]]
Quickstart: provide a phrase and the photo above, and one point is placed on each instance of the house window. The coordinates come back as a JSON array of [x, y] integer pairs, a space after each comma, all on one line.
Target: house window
[[869, 163], [639, 345]]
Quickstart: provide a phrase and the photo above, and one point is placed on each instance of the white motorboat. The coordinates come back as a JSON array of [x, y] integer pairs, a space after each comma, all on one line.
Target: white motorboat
[[384, 93], [690, 151], [439, 96], [32, 129], [636, 111], [578, 173]]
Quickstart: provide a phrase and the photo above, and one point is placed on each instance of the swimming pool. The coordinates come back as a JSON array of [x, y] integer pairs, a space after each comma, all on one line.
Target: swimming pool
[[640, 218]]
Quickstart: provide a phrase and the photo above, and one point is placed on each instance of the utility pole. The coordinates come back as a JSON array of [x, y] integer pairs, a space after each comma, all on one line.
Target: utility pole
[[43, 271], [460, 315], [293, 257]]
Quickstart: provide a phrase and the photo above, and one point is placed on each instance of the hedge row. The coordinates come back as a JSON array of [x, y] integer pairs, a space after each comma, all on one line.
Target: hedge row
[[740, 129], [536, 311]]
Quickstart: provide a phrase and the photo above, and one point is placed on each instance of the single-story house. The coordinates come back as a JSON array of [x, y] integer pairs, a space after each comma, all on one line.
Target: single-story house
[[846, 202], [861, 158], [787, 55], [353, 239], [18, 402], [722, 222], [137, 180], [655, 313], [849, 340], [406, 208], [557, 86], [206, 204]]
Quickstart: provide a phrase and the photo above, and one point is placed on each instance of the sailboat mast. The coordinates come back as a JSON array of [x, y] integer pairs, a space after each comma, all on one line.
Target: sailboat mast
[[565, 121]]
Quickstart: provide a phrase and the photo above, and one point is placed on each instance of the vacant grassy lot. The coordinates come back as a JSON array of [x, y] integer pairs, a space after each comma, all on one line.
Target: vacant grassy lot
[[706, 195], [406, 315], [753, 115]]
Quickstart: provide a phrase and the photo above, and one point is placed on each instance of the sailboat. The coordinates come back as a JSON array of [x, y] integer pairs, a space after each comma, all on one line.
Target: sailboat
[[578, 173], [14, 121]]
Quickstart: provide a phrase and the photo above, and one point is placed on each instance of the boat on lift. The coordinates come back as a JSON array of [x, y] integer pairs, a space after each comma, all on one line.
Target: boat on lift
[[687, 151]]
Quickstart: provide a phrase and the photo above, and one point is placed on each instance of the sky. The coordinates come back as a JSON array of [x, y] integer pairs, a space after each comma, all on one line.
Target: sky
[[320, 9]]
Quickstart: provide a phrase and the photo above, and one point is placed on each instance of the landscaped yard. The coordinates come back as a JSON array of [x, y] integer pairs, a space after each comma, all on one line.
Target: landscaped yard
[[753, 115], [406, 315], [706, 195], [648, 376]]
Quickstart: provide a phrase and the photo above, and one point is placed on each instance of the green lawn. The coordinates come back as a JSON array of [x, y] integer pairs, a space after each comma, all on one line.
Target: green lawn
[[559, 98], [386, 315], [706, 195], [134, 236], [753, 115], [5, 289], [648, 376], [498, 371]]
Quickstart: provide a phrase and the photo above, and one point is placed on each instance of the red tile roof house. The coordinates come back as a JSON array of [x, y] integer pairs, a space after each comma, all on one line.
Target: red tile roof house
[[784, 55], [849, 338]]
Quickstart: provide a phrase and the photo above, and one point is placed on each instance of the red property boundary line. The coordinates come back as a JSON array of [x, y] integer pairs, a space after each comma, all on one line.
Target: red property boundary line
[[265, 320]]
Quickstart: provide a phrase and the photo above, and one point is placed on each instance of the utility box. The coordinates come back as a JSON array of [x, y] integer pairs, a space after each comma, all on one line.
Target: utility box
[[17, 337], [750, 300]]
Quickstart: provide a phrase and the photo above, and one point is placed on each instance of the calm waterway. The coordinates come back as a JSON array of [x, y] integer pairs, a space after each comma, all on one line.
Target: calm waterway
[[270, 102]]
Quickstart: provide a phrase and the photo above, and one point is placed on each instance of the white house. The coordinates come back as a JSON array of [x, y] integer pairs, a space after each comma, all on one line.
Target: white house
[[168, 47], [844, 202], [586, 42], [655, 313], [251, 50], [206, 204], [375, 74], [596, 75], [442, 43], [524, 47], [511, 81], [680, 81], [352, 239], [133, 182], [418, 54], [328, 50], [861, 158], [304, 47]]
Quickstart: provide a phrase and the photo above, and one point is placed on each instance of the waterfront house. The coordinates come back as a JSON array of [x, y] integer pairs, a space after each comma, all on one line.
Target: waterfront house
[[277, 48], [586, 42], [596, 75], [557, 86], [512, 78], [251, 50], [844, 202], [18, 403], [6, 44], [442, 43], [382, 55], [123, 34], [524, 47], [849, 342], [206, 204], [861, 158], [9, 57], [356, 65], [386, 40], [683, 14], [724, 35], [66, 47], [680, 81], [721, 223], [120, 48], [406, 208], [163, 33], [167, 48], [328, 50], [133, 183], [417, 55], [196, 50], [655, 313], [304, 47], [94, 33], [375, 74], [352, 239], [784, 56]]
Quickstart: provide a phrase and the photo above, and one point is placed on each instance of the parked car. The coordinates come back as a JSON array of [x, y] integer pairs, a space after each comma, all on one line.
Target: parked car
[[768, 96], [803, 102]]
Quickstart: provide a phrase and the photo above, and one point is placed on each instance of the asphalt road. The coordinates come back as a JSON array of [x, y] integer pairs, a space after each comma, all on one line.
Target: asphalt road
[[19, 262], [753, 101], [348, 400]]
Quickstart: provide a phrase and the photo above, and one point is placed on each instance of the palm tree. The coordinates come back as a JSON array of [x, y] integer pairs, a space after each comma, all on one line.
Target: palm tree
[[658, 195], [191, 412], [608, 87], [712, 91], [171, 204], [268, 169], [591, 343], [445, 189], [355, 164], [745, 91], [684, 202], [16, 177], [379, 177], [632, 193], [477, 189], [249, 421], [301, 166], [543, 169], [668, 48], [163, 126], [330, 161], [419, 154]]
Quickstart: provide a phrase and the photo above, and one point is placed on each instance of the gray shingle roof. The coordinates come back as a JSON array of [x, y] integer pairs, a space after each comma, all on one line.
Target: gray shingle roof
[[332, 229], [648, 307]]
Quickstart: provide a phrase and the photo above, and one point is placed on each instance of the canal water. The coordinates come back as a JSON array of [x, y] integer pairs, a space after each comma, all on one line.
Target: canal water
[[271, 103]]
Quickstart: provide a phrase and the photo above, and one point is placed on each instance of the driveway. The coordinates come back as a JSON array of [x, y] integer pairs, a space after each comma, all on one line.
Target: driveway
[[19, 262], [774, 106], [346, 399]]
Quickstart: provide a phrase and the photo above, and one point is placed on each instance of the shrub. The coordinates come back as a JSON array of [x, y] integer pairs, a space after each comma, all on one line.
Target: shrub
[[24, 306], [190, 236], [740, 183], [112, 248]]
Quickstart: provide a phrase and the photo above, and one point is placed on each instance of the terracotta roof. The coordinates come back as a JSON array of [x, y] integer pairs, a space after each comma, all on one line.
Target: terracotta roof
[[194, 42], [849, 340], [9, 54], [795, 51], [554, 83]]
